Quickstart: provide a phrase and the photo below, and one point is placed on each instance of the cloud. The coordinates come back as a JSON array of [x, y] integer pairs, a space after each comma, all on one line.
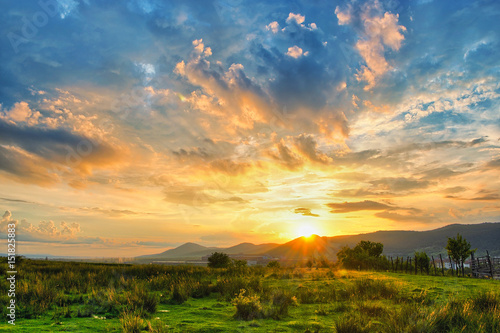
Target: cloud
[[273, 26], [31, 152], [21, 112], [347, 207], [495, 164], [297, 18], [409, 216], [482, 195], [399, 184], [295, 52], [376, 32], [199, 196], [307, 146], [305, 212], [42, 232], [286, 157]]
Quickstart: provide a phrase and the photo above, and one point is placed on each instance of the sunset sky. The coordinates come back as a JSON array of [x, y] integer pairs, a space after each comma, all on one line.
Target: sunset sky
[[130, 127]]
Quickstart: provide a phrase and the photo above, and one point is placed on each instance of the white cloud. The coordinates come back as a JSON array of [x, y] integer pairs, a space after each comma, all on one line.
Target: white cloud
[[273, 26], [45, 230], [295, 52], [297, 18], [21, 112]]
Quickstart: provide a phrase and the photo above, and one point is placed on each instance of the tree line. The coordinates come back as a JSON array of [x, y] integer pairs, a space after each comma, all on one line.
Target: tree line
[[368, 255]]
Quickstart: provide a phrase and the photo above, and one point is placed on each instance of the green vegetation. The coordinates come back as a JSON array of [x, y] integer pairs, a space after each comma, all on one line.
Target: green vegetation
[[219, 260], [365, 255], [459, 250], [78, 297]]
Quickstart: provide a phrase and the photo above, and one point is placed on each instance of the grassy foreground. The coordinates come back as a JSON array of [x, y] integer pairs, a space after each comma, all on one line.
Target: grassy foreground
[[82, 297]]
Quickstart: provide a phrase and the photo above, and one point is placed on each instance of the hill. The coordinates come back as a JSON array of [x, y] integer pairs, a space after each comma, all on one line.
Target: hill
[[484, 236], [195, 251], [303, 247]]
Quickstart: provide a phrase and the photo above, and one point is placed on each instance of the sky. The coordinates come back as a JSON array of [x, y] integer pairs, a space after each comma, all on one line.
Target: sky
[[131, 127]]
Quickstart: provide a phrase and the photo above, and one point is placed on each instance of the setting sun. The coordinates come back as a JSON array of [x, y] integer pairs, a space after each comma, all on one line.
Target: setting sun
[[306, 230]]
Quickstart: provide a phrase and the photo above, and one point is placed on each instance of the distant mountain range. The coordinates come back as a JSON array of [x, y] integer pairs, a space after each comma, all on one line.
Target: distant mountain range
[[484, 236]]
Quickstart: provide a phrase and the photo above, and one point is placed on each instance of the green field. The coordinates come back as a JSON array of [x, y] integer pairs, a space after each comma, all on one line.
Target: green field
[[82, 297]]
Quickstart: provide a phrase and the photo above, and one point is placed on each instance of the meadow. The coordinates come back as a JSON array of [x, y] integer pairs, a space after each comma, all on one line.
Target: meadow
[[84, 297]]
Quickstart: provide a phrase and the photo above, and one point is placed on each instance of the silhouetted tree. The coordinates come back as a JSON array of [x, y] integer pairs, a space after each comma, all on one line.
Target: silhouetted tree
[[422, 261], [459, 250], [273, 264], [365, 255], [219, 260]]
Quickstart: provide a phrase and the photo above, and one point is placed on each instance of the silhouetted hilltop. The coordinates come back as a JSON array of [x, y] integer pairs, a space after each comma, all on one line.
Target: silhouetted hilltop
[[484, 236]]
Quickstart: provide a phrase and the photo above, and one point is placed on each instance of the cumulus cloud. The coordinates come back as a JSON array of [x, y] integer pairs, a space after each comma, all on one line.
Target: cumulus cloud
[[21, 113], [295, 52], [43, 231], [273, 26], [297, 18]]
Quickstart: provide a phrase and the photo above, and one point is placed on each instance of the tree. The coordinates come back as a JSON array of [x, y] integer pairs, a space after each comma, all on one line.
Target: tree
[[459, 250], [422, 260], [365, 255], [219, 260], [273, 264]]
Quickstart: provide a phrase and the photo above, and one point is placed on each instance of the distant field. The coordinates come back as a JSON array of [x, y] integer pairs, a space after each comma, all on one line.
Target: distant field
[[80, 297]]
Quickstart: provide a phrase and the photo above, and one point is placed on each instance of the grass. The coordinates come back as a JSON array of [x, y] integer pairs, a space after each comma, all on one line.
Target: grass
[[80, 297]]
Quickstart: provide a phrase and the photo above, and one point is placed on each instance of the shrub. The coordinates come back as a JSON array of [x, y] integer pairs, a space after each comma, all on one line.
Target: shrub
[[351, 324], [180, 294], [141, 301], [486, 301], [273, 264], [157, 326], [201, 289], [373, 289], [131, 323], [219, 260], [281, 301], [247, 307]]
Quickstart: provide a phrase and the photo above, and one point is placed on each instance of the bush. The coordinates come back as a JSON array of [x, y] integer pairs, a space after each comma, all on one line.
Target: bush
[[131, 323], [273, 264], [351, 324], [282, 300], [219, 260], [373, 289], [247, 307], [180, 294]]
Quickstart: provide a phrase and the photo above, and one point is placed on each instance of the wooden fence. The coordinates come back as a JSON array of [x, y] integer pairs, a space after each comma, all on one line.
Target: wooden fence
[[485, 266]]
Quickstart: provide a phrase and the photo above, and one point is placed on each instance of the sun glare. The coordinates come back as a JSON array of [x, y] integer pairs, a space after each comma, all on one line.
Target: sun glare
[[306, 230]]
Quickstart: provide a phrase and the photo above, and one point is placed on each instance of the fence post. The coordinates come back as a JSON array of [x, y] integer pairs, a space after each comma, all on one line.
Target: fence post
[[442, 266], [406, 271], [473, 264], [451, 266], [416, 264], [392, 264], [489, 264], [434, 263]]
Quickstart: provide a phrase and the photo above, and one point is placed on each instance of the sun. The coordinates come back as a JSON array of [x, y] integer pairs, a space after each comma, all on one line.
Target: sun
[[306, 230]]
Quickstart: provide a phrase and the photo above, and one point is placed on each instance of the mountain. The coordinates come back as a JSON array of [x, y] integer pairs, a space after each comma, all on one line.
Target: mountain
[[183, 251], [484, 236], [249, 248], [303, 247], [195, 251]]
